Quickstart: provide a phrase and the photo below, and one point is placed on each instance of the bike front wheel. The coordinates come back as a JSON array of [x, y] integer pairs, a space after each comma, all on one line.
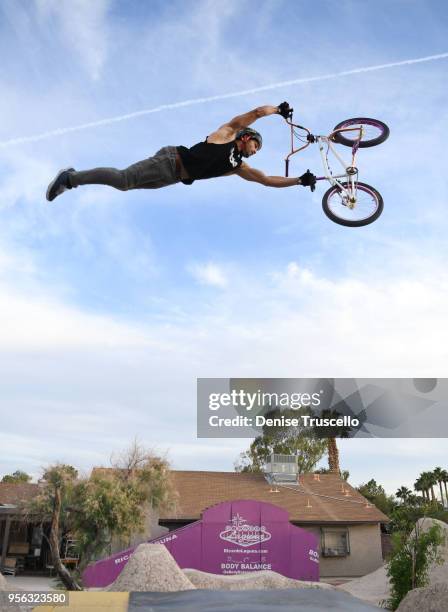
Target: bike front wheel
[[369, 205], [374, 132]]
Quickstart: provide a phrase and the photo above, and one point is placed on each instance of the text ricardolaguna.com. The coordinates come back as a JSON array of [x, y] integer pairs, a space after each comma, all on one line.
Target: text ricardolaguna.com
[[260, 399]]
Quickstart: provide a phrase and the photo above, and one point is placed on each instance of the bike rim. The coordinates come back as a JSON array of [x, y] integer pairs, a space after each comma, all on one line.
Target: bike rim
[[366, 205], [371, 130]]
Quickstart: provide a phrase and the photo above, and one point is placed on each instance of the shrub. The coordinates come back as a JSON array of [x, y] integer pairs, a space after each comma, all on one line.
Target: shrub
[[410, 562]]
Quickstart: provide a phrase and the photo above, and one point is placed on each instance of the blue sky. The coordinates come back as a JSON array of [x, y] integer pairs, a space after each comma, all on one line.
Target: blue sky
[[114, 303]]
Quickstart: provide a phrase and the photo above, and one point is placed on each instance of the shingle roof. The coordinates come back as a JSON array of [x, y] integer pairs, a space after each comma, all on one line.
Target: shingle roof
[[11, 493], [318, 498]]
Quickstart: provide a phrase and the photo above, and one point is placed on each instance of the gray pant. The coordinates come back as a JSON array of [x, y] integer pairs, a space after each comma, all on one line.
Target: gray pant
[[152, 173]]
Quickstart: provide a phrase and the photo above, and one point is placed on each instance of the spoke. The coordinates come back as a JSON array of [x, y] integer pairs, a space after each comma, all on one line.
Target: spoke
[[365, 206], [370, 132]]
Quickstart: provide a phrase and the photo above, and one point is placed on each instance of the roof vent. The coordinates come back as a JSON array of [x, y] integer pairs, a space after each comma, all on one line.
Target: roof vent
[[282, 468]]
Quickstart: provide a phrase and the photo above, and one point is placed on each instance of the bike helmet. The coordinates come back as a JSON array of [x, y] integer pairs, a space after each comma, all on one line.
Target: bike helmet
[[253, 134]]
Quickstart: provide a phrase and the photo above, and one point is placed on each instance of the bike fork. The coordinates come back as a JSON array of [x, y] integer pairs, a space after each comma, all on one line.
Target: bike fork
[[348, 194]]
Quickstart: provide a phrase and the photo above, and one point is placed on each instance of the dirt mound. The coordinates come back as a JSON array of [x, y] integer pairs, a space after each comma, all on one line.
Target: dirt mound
[[3, 584], [265, 579], [429, 599], [4, 607], [151, 568], [375, 587]]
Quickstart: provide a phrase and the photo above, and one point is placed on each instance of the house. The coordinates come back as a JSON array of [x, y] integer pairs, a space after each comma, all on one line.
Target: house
[[22, 545], [348, 527]]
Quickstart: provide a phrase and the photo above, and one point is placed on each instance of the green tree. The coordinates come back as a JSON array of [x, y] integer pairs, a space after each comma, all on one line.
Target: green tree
[[52, 505], [113, 502], [344, 474], [404, 516], [376, 494], [429, 483], [117, 502], [17, 477], [409, 564], [371, 489], [403, 493], [418, 486], [285, 441], [424, 484], [331, 433]]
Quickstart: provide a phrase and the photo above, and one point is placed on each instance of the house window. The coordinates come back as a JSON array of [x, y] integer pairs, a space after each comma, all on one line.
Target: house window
[[335, 542]]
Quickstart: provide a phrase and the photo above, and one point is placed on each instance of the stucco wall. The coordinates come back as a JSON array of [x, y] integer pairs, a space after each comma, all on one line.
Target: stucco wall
[[365, 552]]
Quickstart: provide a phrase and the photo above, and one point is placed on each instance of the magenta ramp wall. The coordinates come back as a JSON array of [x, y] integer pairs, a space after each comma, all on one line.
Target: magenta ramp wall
[[231, 538]]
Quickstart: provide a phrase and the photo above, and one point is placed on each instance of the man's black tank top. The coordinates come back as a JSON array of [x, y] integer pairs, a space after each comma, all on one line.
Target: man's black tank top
[[207, 160]]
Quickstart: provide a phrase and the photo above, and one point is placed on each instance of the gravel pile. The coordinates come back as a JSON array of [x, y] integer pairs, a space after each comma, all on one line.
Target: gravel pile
[[375, 587], [3, 584], [151, 568], [430, 599], [265, 579]]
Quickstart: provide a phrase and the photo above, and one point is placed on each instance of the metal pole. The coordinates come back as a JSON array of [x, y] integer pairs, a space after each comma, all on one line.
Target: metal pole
[[5, 540]]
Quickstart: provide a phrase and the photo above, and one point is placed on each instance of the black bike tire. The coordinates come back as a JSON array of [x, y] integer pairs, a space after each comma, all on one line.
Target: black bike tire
[[348, 222], [373, 142]]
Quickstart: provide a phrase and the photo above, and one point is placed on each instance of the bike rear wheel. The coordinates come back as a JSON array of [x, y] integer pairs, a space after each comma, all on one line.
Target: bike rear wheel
[[375, 132], [368, 207]]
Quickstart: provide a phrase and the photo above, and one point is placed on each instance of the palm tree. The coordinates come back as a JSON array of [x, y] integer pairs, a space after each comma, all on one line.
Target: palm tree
[[445, 480], [331, 433], [403, 493], [433, 483], [424, 486], [413, 500], [438, 476], [418, 486], [428, 482], [333, 456]]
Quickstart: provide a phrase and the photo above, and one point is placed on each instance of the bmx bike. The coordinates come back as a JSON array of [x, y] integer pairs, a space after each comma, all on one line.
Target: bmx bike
[[348, 201]]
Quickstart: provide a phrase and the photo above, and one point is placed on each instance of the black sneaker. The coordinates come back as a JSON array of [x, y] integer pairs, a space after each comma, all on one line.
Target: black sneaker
[[59, 184]]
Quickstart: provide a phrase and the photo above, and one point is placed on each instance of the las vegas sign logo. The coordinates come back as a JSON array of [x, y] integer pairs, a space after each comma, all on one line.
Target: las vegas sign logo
[[242, 534]]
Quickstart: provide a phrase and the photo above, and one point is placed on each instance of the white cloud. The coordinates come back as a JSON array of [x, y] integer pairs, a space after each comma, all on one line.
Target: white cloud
[[141, 378], [80, 25], [39, 323], [209, 274], [295, 321]]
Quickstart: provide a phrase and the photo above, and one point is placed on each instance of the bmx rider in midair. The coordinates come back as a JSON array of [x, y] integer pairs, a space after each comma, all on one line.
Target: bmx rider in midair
[[220, 154]]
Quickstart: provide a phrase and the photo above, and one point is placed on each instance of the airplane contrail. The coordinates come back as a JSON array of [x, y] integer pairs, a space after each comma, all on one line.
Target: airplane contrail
[[194, 101]]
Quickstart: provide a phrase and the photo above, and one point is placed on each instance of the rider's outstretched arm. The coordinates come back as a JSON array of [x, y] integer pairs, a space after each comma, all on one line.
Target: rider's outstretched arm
[[257, 176], [242, 121], [228, 131]]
